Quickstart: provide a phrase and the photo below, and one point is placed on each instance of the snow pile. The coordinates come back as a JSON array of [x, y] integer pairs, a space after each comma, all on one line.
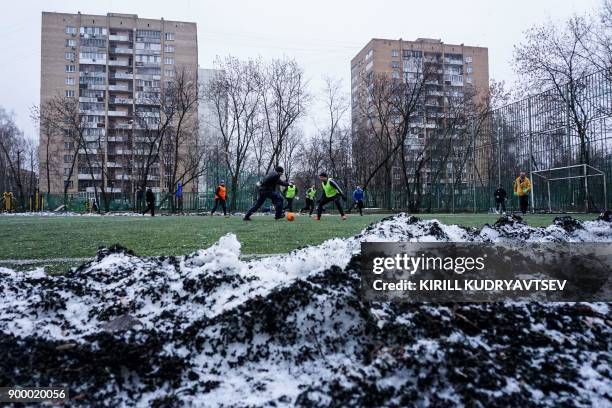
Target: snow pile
[[211, 329]]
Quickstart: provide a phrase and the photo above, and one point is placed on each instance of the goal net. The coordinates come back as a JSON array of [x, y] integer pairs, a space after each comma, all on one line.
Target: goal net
[[577, 188]]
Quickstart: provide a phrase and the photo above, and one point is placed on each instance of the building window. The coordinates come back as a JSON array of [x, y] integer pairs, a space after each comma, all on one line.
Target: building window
[[394, 53], [395, 64], [70, 68], [169, 36], [169, 72], [469, 70], [69, 56], [395, 75], [469, 80], [67, 158], [70, 30], [169, 48], [69, 93], [69, 81], [71, 42], [68, 146], [468, 60], [169, 61]]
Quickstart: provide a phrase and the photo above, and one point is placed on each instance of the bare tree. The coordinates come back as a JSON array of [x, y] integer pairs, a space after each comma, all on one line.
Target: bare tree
[[236, 94], [388, 108], [284, 99], [64, 113], [337, 105], [550, 57], [180, 151]]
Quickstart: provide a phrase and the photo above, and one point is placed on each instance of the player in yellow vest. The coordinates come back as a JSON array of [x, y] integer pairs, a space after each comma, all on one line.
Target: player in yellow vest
[[309, 199], [331, 192], [290, 193], [522, 188]]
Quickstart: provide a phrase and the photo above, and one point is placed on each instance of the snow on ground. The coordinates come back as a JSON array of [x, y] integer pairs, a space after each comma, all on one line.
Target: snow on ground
[[212, 329]]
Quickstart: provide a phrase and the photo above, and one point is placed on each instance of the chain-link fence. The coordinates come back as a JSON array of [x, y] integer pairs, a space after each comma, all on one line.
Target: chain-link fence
[[562, 140]]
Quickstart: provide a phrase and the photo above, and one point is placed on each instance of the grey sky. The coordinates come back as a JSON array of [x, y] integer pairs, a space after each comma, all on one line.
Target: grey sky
[[322, 36]]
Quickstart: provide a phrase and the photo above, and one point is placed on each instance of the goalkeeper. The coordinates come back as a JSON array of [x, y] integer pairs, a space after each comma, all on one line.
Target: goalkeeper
[[522, 188]]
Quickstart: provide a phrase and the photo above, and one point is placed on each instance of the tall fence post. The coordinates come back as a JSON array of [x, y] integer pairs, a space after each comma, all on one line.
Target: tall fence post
[[474, 163], [531, 154]]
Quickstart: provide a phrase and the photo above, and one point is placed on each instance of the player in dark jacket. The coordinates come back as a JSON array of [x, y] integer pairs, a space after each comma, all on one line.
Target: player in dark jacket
[[150, 199], [268, 190], [500, 199]]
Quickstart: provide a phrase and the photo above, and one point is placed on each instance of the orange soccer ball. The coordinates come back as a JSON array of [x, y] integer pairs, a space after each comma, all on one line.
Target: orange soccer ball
[[290, 216]]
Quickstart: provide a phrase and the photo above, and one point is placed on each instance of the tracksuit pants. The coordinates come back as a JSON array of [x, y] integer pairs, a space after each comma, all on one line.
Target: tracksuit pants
[[217, 202], [324, 200], [264, 195]]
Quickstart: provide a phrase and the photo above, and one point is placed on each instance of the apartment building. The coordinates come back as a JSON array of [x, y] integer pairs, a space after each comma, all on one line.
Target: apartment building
[[458, 71], [116, 65]]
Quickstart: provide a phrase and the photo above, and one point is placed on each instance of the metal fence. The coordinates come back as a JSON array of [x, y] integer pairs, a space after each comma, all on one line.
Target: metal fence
[[539, 136]]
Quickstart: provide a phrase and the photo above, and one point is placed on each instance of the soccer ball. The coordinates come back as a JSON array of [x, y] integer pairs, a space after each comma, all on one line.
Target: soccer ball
[[290, 216]]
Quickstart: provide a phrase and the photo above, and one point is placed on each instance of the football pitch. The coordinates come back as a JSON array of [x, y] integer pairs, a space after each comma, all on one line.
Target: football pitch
[[58, 242]]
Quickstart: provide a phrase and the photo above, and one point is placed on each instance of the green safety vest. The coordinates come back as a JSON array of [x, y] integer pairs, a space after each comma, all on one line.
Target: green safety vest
[[328, 189], [311, 193], [290, 193]]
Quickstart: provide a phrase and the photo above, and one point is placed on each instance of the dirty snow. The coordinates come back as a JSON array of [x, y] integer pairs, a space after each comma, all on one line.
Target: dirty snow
[[213, 329]]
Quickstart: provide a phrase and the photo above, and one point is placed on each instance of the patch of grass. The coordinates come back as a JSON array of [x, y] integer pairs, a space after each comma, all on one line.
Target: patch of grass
[[79, 237]]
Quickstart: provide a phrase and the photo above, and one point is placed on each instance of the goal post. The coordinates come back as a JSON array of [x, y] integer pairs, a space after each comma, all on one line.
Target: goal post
[[583, 173]]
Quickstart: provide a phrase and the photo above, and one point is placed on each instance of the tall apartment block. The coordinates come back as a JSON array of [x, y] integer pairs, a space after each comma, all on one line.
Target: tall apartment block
[[116, 65], [452, 70]]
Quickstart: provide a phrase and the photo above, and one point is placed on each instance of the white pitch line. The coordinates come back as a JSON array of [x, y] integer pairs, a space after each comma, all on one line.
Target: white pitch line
[[66, 260]]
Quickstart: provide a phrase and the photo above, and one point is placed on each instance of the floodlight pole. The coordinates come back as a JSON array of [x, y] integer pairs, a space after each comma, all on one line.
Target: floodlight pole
[[549, 206], [530, 154], [586, 189]]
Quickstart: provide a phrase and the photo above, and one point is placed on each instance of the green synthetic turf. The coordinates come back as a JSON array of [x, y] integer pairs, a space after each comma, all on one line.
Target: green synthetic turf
[[36, 237]]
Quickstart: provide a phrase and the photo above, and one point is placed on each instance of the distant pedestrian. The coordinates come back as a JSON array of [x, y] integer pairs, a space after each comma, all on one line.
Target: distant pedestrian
[[331, 193], [140, 199], [220, 197], [290, 193], [522, 188], [358, 195], [150, 199], [179, 197], [268, 190], [500, 199], [309, 199]]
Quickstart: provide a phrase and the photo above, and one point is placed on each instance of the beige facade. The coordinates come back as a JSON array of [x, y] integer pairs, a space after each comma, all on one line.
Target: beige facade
[[449, 70], [115, 65]]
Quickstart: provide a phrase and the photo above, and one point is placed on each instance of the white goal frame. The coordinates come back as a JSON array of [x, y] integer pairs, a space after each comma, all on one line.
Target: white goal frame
[[585, 175]]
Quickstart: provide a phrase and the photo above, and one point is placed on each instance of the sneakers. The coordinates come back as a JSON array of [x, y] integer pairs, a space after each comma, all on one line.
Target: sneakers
[[344, 217], [316, 218]]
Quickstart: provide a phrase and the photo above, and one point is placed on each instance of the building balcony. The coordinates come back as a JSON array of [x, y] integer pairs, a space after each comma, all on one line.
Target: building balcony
[[148, 77], [118, 113], [119, 63], [120, 50], [453, 61], [92, 61], [121, 75], [120, 101], [92, 112], [95, 87], [88, 176], [119, 37], [121, 126], [124, 88], [114, 165]]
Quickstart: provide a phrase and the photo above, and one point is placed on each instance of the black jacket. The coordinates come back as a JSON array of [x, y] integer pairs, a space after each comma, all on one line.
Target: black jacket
[[500, 194], [150, 197], [270, 182]]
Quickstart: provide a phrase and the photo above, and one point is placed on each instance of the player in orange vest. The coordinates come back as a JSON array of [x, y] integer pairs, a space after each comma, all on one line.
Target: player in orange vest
[[220, 196]]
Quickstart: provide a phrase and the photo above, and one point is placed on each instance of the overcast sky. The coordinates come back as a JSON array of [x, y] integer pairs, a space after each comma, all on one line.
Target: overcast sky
[[322, 35]]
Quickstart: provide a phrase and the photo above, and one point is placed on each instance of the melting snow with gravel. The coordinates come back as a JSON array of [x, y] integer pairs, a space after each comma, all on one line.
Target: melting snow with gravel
[[211, 329]]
